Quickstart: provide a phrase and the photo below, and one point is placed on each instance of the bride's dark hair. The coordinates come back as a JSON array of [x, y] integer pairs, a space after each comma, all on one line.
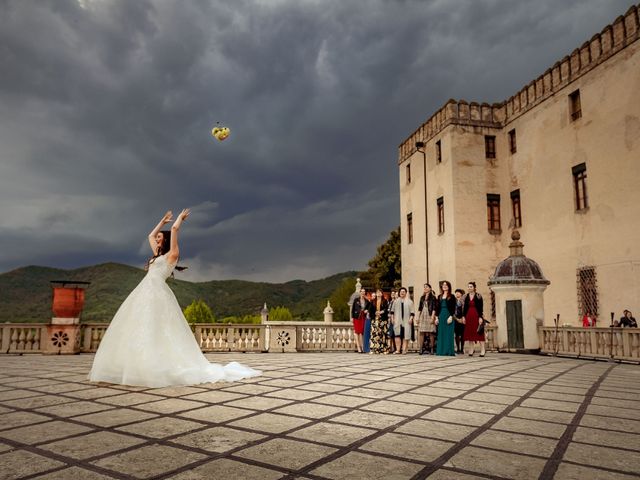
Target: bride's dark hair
[[164, 248]]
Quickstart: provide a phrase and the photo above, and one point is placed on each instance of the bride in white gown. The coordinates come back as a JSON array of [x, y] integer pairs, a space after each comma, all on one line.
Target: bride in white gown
[[149, 342]]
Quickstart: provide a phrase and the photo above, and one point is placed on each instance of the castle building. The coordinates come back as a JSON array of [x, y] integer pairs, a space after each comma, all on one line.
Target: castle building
[[559, 161]]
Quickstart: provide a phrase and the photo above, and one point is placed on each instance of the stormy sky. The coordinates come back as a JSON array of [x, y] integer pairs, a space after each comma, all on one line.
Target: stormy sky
[[106, 108]]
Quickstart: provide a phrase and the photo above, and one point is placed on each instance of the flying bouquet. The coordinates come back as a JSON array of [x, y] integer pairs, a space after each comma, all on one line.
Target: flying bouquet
[[220, 133]]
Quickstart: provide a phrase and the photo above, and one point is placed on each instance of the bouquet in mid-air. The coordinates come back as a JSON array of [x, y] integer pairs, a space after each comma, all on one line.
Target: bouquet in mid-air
[[220, 133]]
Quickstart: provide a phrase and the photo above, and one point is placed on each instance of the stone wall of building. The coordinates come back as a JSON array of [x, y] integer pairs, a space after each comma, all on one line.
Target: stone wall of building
[[606, 71]]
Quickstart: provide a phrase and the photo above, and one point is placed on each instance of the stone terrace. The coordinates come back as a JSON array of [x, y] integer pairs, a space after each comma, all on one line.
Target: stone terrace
[[327, 416]]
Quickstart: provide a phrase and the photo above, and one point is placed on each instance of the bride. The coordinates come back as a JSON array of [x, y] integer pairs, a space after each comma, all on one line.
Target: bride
[[149, 342]]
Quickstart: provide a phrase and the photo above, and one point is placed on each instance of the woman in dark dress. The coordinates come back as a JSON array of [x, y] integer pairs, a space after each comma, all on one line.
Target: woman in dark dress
[[445, 309], [473, 317], [458, 317]]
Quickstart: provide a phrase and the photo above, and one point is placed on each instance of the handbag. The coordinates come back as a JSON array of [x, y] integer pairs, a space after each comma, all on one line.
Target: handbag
[[449, 320], [480, 330]]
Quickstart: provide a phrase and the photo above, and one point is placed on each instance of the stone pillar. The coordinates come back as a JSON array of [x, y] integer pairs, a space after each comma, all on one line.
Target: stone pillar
[[63, 336], [328, 313], [264, 320], [283, 337]]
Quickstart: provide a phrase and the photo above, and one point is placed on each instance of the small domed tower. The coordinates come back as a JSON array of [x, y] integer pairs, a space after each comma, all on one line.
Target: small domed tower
[[518, 284]]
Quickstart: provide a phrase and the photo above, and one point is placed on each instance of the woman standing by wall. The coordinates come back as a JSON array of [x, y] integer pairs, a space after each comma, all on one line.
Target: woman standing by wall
[[474, 317], [458, 317], [426, 320], [358, 317], [445, 308], [402, 317], [380, 324]]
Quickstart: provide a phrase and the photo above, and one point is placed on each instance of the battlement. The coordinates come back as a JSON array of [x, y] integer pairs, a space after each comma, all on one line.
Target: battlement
[[612, 39]]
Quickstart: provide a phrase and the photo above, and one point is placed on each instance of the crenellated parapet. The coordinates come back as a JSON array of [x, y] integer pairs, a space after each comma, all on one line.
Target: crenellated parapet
[[612, 39], [456, 112]]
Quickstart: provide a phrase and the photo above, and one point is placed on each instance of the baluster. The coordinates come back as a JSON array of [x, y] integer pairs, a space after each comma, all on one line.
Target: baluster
[[231, 338], [36, 339], [14, 340], [21, 339], [29, 343]]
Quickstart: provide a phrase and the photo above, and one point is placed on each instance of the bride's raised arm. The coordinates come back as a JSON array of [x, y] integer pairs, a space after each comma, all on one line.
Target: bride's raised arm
[[174, 251], [152, 236]]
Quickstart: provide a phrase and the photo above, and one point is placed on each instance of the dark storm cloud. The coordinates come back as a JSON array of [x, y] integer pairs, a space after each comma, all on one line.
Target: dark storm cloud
[[107, 107]]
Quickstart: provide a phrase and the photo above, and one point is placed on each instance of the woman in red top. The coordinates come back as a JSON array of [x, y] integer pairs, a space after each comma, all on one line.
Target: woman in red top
[[473, 316], [588, 320]]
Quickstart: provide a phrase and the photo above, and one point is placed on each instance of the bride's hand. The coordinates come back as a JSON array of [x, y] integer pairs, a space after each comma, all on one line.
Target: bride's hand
[[167, 217], [184, 214]]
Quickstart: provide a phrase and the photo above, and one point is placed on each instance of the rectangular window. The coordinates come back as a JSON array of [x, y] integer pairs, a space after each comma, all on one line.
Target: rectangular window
[[512, 141], [438, 152], [515, 209], [575, 109], [587, 291], [440, 202], [408, 171], [411, 293], [490, 146], [493, 212], [580, 186], [410, 228]]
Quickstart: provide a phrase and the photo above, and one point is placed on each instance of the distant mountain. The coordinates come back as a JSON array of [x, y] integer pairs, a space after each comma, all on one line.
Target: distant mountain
[[25, 293]]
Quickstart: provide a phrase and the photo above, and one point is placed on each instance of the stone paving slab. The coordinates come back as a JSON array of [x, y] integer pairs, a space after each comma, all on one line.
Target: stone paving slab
[[318, 416]]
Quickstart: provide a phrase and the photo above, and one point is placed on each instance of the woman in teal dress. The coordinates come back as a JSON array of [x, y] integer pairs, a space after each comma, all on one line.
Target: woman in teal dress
[[445, 309]]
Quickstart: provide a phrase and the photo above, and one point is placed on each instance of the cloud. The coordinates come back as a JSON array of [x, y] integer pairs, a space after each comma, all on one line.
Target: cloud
[[108, 106]]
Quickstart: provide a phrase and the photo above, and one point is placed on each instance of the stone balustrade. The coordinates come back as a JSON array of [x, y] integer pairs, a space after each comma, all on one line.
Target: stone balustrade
[[230, 337], [217, 337], [22, 337], [605, 343]]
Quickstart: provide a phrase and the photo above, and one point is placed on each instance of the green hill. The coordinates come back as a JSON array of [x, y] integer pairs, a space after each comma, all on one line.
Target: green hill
[[25, 293]]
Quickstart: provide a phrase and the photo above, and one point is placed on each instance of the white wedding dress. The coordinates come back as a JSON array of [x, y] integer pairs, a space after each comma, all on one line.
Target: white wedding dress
[[149, 342]]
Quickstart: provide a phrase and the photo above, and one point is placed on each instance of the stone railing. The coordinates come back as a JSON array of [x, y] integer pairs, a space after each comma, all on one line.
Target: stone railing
[[91, 335], [22, 337], [605, 343], [215, 337], [230, 337]]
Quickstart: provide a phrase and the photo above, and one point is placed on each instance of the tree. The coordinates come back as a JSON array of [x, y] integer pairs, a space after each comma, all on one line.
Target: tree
[[248, 319], [385, 267], [339, 299], [199, 312], [280, 314]]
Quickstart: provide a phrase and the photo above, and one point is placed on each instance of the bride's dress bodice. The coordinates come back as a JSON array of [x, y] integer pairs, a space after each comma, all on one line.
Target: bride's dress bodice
[[160, 268]]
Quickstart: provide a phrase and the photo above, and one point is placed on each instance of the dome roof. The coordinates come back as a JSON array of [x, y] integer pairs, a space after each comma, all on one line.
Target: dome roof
[[517, 269]]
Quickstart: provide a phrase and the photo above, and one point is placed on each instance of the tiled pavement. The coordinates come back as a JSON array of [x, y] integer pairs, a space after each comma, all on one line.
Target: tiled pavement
[[327, 416]]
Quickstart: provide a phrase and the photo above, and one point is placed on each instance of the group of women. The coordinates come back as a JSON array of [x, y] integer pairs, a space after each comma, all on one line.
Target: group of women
[[450, 323]]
